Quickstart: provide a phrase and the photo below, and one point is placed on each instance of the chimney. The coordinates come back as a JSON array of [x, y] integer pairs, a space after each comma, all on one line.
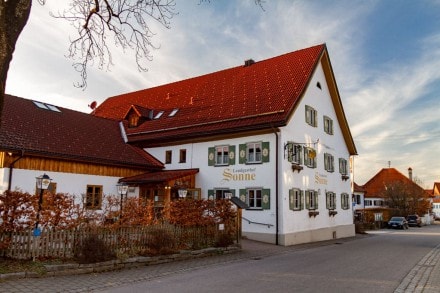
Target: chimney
[[410, 173], [248, 62]]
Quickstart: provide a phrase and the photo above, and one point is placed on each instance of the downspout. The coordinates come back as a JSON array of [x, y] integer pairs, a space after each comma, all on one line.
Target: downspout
[[11, 167], [276, 188]]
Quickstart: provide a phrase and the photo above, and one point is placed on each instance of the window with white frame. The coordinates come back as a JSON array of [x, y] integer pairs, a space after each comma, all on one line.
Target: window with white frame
[[368, 202], [330, 200], [222, 155], [309, 157], [296, 199], [220, 193], [329, 164], [343, 166], [345, 201], [328, 125], [311, 116], [254, 152], [256, 198], [311, 199]]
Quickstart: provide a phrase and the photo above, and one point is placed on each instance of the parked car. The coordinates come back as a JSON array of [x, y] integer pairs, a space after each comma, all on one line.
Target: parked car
[[414, 220], [398, 222]]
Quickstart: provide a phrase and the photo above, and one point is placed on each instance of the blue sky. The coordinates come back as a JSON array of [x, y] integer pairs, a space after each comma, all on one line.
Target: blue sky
[[385, 56]]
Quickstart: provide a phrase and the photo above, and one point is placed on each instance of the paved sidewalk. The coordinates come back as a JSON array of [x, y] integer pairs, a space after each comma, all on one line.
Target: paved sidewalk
[[424, 277]]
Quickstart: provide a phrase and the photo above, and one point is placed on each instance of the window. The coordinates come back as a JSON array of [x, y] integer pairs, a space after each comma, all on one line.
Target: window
[[254, 153], [343, 166], [256, 198], [220, 193], [345, 201], [311, 199], [358, 199], [158, 115], [168, 157], [296, 199], [173, 112], [223, 155], [328, 125], [182, 157], [94, 197], [368, 202], [294, 153], [330, 200], [309, 157], [133, 120], [193, 193], [311, 115], [378, 202], [329, 162]]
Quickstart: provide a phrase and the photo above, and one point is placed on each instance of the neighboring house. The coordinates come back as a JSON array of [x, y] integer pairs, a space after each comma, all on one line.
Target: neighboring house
[[376, 206], [272, 133], [84, 155], [358, 202], [435, 192]]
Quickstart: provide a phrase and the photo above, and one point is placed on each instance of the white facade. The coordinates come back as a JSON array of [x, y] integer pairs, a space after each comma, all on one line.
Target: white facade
[[276, 177]]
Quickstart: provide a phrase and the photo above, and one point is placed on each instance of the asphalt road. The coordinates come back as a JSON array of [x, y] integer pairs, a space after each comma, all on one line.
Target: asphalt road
[[371, 264], [382, 261]]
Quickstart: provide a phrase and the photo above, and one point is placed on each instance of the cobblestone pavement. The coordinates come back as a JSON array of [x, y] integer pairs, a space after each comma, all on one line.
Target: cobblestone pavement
[[424, 277]]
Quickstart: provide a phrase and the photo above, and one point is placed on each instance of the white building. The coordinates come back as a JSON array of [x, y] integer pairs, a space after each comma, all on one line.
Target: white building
[[272, 133]]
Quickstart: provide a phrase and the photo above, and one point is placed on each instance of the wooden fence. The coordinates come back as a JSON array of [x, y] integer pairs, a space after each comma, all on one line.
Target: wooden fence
[[65, 244]]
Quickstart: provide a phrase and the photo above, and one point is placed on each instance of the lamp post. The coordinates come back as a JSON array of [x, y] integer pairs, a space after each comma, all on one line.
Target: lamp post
[[43, 183], [122, 190]]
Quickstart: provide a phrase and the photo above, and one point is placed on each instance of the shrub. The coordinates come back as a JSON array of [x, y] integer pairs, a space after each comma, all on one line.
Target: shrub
[[159, 242], [94, 250]]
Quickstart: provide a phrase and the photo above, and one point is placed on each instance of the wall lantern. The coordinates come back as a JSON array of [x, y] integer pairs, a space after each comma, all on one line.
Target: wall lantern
[[182, 192]]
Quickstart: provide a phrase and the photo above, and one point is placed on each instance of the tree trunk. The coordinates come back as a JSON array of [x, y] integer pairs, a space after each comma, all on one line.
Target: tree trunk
[[14, 15]]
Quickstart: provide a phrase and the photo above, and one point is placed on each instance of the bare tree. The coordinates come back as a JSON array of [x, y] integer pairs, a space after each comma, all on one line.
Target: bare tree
[[126, 22]]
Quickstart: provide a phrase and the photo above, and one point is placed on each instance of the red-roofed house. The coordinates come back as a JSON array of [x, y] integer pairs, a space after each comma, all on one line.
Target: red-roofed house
[[273, 133], [376, 206], [435, 192], [85, 155]]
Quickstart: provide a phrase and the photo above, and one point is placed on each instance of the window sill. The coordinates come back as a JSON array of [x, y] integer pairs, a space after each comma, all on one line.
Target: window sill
[[296, 167], [345, 177], [254, 209], [332, 213], [313, 213]]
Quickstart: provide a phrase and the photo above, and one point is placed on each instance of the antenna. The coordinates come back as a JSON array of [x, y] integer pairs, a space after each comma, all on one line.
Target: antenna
[[389, 164], [93, 105]]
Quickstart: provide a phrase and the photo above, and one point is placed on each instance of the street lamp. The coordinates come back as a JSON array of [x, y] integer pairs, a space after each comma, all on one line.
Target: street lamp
[[43, 183], [122, 190]]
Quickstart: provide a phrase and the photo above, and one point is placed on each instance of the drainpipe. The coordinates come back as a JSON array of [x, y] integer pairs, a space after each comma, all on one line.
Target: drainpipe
[[276, 188], [11, 167]]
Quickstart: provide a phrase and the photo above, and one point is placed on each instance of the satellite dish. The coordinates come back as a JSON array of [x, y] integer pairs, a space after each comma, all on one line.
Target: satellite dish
[[93, 105]]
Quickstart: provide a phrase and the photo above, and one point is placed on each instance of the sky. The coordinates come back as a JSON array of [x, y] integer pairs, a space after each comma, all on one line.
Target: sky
[[385, 57]]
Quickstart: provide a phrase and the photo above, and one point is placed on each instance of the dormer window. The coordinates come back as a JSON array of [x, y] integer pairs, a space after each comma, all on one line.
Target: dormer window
[[133, 120], [173, 113]]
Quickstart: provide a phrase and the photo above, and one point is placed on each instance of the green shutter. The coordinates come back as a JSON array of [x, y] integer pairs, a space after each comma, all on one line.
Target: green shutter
[[211, 156], [232, 191], [242, 153], [291, 199], [326, 165], [211, 194], [308, 200], [302, 200], [243, 196], [232, 155], [290, 151], [316, 199], [265, 151], [327, 196], [265, 200]]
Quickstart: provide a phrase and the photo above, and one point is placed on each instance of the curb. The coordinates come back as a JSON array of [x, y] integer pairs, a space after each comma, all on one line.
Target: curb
[[113, 265]]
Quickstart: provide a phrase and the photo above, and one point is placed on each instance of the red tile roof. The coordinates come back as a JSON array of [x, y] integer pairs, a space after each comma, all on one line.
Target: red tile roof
[[67, 134], [376, 185], [259, 96], [358, 188]]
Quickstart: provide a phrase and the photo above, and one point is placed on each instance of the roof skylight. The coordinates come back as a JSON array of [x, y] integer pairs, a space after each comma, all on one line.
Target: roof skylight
[[173, 112], [158, 115], [46, 106]]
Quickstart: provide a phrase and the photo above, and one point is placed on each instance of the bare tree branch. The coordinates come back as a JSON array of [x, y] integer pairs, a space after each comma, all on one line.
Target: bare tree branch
[[125, 21]]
